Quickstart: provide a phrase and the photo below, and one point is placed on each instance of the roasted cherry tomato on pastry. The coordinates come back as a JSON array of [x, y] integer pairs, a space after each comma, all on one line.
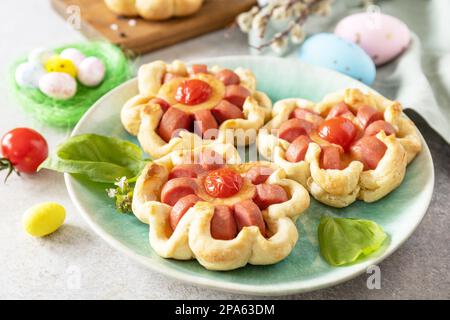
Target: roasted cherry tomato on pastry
[[193, 91], [23, 150], [339, 131], [223, 183]]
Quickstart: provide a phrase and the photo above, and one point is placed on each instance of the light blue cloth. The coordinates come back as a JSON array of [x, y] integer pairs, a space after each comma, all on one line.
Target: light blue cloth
[[420, 78]]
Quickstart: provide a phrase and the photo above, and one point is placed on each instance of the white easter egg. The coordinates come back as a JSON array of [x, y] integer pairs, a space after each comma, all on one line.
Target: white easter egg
[[74, 55], [29, 73], [40, 55], [58, 85], [91, 71]]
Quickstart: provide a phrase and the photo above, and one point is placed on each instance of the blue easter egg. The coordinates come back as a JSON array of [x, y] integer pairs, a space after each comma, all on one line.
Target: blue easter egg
[[330, 51]]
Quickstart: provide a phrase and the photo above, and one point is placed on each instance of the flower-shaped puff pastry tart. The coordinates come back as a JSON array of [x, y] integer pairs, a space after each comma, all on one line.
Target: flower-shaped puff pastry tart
[[215, 104], [204, 204], [154, 9], [352, 145]]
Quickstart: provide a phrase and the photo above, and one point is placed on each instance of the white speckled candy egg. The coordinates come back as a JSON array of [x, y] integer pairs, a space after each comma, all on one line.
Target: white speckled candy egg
[[58, 85], [28, 74], [383, 37], [332, 52], [91, 71], [74, 55], [40, 55]]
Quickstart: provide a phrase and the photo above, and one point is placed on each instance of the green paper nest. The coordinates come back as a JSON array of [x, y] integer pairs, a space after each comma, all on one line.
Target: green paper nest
[[66, 113]]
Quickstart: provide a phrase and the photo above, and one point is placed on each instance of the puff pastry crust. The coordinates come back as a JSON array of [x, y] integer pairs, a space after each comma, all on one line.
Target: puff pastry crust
[[154, 9], [340, 188], [192, 238], [141, 116]]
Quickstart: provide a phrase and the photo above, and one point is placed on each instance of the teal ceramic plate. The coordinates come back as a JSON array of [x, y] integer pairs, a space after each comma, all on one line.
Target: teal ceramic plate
[[399, 213]]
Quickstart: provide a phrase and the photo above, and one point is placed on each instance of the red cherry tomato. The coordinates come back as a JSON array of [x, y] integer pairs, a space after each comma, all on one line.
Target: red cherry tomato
[[223, 183], [193, 91], [25, 149], [339, 131]]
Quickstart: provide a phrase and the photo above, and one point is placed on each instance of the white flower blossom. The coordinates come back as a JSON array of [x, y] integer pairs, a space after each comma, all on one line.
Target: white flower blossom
[[121, 183], [111, 192]]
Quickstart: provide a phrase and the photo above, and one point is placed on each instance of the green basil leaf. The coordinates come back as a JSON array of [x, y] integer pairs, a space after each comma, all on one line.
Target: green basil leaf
[[345, 240], [99, 158]]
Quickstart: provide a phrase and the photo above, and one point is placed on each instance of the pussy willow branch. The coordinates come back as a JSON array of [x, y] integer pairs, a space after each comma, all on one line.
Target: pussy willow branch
[[298, 21], [270, 13]]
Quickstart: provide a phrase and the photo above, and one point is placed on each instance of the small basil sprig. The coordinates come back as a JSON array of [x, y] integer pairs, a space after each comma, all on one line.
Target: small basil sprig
[[345, 240], [122, 195], [98, 158]]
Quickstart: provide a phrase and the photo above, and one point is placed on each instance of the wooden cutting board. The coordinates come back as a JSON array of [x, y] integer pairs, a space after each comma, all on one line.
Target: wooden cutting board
[[96, 21]]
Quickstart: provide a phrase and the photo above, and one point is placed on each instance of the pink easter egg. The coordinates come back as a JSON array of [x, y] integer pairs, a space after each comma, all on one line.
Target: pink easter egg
[[381, 36]]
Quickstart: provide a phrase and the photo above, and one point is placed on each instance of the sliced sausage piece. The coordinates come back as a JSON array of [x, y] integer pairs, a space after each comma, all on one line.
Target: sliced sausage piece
[[366, 115], [199, 68], [308, 115], [186, 171], [248, 214], [175, 189], [211, 160], [268, 194], [225, 111], [378, 126], [223, 224], [259, 174], [181, 207], [228, 77], [162, 103], [169, 76], [339, 110], [301, 113], [297, 149], [236, 95], [369, 150], [171, 122], [294, 128], [205, 124], [330, 158]]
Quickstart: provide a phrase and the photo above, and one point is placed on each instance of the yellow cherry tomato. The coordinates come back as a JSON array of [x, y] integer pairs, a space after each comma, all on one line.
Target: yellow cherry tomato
[[58, 64], [43, 219]]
